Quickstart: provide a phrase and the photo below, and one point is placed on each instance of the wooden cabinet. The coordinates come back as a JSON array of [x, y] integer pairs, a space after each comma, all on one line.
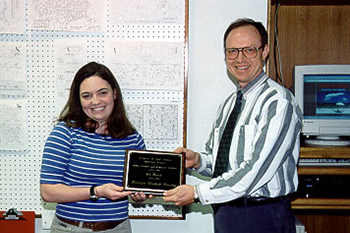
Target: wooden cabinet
[[308, 32], [323, 153], [324, 215], [312, 32]]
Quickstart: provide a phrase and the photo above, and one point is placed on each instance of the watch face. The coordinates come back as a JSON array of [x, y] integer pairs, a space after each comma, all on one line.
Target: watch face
[[93, 198]]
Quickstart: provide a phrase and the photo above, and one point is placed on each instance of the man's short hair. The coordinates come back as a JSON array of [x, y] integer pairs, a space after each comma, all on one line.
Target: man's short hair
[[246, 22]]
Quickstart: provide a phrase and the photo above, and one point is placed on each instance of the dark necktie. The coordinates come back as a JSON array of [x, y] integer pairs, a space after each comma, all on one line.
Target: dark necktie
[[225, 143]]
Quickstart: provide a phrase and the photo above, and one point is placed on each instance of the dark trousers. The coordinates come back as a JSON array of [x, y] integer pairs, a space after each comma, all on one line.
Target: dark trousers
[[267, 218]]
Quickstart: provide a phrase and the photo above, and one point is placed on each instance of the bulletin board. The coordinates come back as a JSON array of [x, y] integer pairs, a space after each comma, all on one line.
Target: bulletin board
[[43, 43]]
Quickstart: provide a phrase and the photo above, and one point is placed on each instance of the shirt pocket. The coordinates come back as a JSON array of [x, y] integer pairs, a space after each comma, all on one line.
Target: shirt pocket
[[248, 132]]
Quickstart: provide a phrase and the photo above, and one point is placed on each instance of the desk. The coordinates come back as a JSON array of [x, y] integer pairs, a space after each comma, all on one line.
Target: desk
[[319, 152], [324, 215]]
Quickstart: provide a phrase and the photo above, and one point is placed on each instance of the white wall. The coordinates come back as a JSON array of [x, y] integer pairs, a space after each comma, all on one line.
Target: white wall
[[208, 81], [208, 85]]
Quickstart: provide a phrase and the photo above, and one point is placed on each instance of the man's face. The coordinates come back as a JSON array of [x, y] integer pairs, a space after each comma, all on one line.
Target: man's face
[[244, 69]]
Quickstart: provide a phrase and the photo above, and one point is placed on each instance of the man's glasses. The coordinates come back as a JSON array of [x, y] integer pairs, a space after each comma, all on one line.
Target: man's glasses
[[248, 52]]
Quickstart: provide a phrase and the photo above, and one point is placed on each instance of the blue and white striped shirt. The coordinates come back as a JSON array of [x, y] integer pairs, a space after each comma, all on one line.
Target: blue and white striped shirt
[[265, 145], [77, 158]]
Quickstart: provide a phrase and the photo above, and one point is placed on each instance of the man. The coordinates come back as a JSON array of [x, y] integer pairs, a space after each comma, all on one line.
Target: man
[[250, 195]]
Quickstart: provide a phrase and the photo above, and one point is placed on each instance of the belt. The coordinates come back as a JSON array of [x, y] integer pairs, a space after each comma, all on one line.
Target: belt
[[253, 201], [94, 226]]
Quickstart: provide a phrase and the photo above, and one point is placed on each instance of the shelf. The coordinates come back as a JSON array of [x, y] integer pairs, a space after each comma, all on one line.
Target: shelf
[[325, 152], [324, 170], [320, 203], [310, 2]]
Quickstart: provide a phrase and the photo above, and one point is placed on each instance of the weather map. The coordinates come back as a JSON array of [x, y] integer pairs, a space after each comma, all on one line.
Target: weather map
[[67, 15], [150, 11], [140, 65], [12, 68], [12, 16], [155, 121]]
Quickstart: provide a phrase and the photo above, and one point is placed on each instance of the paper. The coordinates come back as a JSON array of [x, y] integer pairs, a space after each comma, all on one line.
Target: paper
[[73, 15], [147, 65], [13, 126], [69, 57], [12, 68], [147, 12], [155, 121], [12, 16]]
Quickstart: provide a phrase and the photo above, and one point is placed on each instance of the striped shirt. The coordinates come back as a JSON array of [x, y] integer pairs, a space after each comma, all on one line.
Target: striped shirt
[[77, 158], [265, 145]]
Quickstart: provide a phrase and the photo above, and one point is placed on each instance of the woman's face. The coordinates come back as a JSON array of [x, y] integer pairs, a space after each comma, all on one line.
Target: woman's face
[[97, 98]]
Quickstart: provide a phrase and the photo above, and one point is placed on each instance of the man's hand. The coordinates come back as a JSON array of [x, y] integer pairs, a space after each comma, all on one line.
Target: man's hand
[[192, 158], [181, 195]]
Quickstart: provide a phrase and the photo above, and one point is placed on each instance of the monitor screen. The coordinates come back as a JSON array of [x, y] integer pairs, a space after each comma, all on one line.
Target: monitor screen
[[327, 96]]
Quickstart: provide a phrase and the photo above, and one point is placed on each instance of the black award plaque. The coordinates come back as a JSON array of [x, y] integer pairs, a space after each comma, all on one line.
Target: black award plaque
[[153, 172]]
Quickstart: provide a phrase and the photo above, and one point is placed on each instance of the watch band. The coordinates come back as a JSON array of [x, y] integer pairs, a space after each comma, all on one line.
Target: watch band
[[93, 196], [195, 194]]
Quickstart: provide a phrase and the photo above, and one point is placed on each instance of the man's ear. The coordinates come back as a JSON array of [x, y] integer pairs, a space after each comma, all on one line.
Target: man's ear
[[265, 52]]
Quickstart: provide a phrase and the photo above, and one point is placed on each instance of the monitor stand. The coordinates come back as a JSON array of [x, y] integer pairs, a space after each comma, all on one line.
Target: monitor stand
[[327, 141]]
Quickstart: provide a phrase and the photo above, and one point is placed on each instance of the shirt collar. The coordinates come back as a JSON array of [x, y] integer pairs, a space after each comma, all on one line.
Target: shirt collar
[[254, 83]]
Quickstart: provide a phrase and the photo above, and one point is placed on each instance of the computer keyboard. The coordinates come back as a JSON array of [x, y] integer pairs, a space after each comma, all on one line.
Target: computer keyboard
[[324, 162]]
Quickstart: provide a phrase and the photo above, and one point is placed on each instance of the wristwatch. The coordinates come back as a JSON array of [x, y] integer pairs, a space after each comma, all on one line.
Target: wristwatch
[[195, 195], [93, 196]]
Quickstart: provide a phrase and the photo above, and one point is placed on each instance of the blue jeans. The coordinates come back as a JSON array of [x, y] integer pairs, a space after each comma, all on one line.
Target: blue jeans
[[269, 218], [58, 226]]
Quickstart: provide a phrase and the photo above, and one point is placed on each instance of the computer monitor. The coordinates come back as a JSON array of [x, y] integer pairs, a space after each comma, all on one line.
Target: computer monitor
[[323, 93]]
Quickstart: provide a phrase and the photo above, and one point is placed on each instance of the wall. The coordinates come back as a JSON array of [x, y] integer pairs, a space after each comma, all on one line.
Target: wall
[[208, 85]]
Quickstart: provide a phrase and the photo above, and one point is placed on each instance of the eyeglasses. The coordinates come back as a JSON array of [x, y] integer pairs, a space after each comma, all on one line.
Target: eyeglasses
[[248, 52]]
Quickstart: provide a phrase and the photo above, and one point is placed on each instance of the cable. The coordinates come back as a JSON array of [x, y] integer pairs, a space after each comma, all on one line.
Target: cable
[[278, 66]]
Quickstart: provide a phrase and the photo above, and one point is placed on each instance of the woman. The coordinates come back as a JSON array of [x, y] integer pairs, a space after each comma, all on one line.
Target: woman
[[83, 158]]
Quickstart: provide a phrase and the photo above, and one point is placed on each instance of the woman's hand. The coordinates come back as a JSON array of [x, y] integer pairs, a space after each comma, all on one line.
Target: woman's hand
[[111, 191], [140, 196]]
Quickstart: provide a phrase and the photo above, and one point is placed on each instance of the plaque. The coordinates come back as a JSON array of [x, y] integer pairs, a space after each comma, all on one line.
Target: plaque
[[153, 172]]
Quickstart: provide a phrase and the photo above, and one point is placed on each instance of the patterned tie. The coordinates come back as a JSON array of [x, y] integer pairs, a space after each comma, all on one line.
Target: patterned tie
[[225, 143]]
